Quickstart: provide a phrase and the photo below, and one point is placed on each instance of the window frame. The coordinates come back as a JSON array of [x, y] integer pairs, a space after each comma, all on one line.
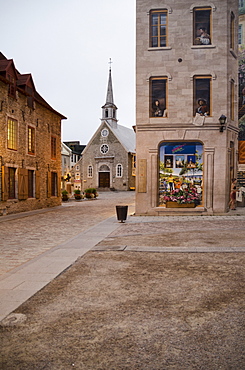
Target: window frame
[[153, 97], [104, 145], [31, 140], [11, 183], [232, 31], [195, 27], [196, 98], [90, 171], [53, 147], [119, 170], [54, 184], [232, 99], [12, 133], [159, 12], [30, 184]]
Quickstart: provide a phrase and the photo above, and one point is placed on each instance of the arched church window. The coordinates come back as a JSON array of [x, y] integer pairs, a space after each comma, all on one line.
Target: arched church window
[[106, 113], [90, 171], [119, 170]]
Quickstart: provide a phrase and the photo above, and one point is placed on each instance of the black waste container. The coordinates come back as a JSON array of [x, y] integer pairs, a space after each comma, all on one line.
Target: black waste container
[[122, 213]]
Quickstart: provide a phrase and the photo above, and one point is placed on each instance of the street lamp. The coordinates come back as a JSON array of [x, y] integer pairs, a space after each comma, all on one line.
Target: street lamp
[[222, 121]]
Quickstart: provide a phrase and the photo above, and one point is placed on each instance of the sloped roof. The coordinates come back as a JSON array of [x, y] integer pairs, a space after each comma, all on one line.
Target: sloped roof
[[125, 135]]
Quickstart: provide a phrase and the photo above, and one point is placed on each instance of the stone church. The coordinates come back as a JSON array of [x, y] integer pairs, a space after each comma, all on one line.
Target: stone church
[[108, 161], [186, 104]]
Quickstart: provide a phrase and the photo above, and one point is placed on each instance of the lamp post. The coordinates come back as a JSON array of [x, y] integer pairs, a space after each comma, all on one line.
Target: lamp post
[[222, 121]]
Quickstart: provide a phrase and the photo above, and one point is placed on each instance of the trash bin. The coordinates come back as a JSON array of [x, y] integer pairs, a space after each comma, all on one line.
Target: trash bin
[[122, 213]]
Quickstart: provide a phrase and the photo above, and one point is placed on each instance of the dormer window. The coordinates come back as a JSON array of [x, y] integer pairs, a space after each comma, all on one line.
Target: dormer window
[[12, 86]]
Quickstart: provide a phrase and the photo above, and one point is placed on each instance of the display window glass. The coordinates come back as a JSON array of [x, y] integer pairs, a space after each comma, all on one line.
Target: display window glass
[[181, 173]]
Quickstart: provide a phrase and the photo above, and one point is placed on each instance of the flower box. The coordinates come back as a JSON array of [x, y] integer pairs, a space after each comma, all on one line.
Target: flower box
[[170, 204]]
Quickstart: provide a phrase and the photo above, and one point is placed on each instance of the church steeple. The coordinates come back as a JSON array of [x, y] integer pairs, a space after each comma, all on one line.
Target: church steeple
[[109, 110]]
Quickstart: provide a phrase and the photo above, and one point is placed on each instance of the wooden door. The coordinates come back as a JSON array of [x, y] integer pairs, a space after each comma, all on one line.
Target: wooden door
[[104, 179]]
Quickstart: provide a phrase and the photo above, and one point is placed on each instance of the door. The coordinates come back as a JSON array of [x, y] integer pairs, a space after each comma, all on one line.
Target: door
[[104, 179]]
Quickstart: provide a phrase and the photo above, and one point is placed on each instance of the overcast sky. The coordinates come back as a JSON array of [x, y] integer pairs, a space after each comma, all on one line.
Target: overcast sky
[[66, 46]]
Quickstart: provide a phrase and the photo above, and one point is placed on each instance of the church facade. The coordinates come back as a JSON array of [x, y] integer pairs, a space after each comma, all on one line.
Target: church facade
[[108, 161], [186, 105]]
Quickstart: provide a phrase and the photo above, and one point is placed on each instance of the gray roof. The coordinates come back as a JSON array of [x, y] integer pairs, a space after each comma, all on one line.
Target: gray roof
[[125, 135]]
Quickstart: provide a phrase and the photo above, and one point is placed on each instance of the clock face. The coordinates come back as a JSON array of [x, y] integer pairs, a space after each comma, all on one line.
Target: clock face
[[104, 132], [104, 148]]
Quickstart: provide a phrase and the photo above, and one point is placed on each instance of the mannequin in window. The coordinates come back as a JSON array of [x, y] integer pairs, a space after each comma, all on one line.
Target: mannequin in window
[[159, 108], [202, 108], [203, 37]]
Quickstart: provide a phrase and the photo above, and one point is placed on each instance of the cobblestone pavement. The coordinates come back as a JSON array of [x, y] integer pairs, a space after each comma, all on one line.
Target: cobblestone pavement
[[26, 236]]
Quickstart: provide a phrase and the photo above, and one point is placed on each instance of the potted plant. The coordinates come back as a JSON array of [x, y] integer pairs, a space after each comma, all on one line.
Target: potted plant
[[77, 194], [91, 193], [64, 195]]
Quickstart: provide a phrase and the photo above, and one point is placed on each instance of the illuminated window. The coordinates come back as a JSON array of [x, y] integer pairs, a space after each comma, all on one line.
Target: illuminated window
[[12, 134], [202, 26], [31, 140], [202, 95], [53, 147], [158, 97], [158, 28]]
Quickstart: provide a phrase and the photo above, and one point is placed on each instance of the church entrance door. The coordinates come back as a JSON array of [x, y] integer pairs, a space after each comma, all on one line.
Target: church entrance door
[[104, 179]]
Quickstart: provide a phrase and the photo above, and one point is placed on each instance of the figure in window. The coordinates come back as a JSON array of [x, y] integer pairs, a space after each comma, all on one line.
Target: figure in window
[[202, 108], [159, 108], [203, 37]]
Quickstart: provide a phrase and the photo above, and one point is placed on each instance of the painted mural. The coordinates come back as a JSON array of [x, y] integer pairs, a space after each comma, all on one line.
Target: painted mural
[[180, 174]]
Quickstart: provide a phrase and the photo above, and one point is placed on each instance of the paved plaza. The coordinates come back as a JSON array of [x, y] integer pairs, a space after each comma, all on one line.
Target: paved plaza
[[79, 289]]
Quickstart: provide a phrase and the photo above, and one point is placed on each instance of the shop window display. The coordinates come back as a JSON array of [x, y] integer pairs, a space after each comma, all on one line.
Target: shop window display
[[180, 173]]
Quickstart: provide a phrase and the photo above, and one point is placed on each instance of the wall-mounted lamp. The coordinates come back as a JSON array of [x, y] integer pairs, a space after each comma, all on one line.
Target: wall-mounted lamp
[[222, 121]]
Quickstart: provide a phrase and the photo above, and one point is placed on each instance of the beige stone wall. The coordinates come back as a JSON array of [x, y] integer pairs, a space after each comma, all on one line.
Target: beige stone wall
[[216, 60], [45, 123]]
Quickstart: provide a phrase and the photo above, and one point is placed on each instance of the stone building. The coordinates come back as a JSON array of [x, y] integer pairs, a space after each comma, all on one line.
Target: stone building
[[30, 151], [108, 161], [186, 102]]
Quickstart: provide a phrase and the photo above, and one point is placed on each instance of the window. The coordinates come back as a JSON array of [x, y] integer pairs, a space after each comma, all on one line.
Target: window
[[104, 132], [232, 98], [77, 167], [158, 92], [53, 147], [54, 183], [12, 86], [104, 148], [11, 183], [232, 31], [158, 28], [134, 165], [30, 184], [90, 171], [31, 140], [202, 92], [240, 34], [12, 134], [202, 26], [119, 170], [77, 176]]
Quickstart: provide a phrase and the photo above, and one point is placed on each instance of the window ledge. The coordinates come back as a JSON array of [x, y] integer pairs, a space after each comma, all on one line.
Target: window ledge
[[161, 48], [203, 46]]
